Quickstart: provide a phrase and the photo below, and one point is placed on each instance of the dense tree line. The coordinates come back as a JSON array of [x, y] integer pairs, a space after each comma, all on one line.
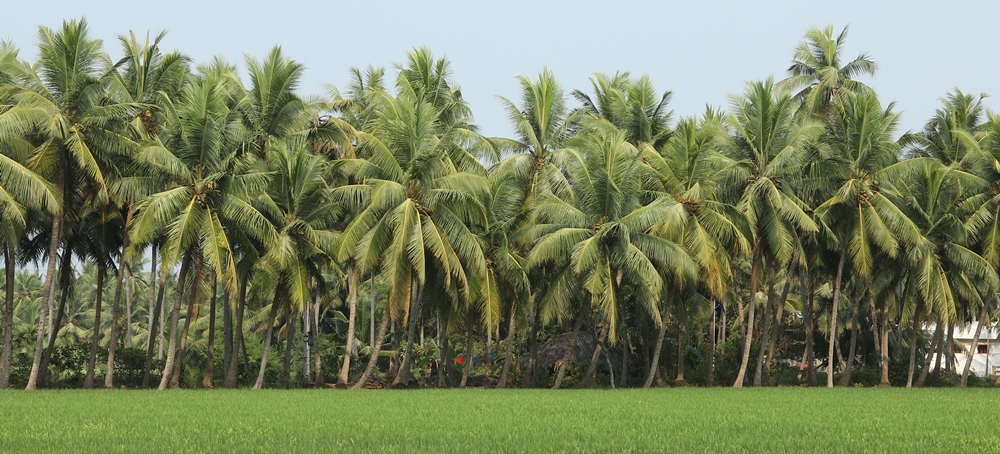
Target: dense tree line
[[606, 244]]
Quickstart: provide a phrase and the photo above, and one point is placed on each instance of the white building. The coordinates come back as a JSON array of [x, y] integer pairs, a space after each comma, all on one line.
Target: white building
[[985, 351]]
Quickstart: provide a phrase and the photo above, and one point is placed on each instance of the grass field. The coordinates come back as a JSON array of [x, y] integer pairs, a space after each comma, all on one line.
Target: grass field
[[673, 420]]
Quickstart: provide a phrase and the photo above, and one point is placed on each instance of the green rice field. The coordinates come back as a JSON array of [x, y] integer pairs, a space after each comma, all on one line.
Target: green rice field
[[663, 420]]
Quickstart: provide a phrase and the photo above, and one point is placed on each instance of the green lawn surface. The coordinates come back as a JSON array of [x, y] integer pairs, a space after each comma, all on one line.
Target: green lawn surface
[[633, 420]]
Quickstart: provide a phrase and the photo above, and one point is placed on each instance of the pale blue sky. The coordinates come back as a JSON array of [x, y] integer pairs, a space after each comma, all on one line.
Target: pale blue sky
[[701, 50]]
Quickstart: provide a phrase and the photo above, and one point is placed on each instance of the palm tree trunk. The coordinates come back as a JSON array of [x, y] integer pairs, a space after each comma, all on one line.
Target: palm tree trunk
[[884, 350], [710, 375], [207, 380], [152, 295], [267, 341], [780, 309], [352, 290], [156, 321], [306, 345], [510, 349], [371, 315], [444, 369], [845, 380], [128, 310], [973, 347], [8, 316], [175, 316], [286, 370], [833, 315], [65, 278], [88, 380], [568, 354], [467, 363], [48, 290], [934, 353], [232, 375], [318, 379], [194, 309], [227, 332], [529, 381], [626, 351], [949, 353], [376, 348], [681, 347], [109, 374], [412, 321], [765, 332], [651, 373], [748, 336], [590, 377], [913, 350], [805, 291]]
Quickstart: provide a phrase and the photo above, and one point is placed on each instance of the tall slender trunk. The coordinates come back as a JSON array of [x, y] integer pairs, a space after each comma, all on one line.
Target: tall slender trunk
[[949, 353], [591, 376], [681, 347], [568, 353], [8, 316], [175, 316], [65, 278], [208, 380], [371, 314], [232, 375], [510, 348], [286, 369], [48, 290], [412, 321], [128, 311], [272, 312], [776, 327], [532, 372], [654, 366], [973, 347], [626, 351], [748, 336], [152, 296], [318, 378], [934, 353], [227, 332], [193, 311], [349, 349], [806, 293], [88, 381], [833, 315], [765, 332], [109, 373], [306, 341], [845, 380], [161, 332], [444, 380], [157, 320], [884, 351], [710, 375], [913, 349], [376, 349], [467, 363]]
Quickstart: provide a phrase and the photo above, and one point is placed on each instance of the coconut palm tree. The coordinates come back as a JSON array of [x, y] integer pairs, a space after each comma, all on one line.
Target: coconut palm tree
[[598, 240], [688, 170], [298, 204], [632, 105], [819, 75], [862, 211], [54, 101], [769, 145], [542, 123], [212, 185], [423, 196]]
